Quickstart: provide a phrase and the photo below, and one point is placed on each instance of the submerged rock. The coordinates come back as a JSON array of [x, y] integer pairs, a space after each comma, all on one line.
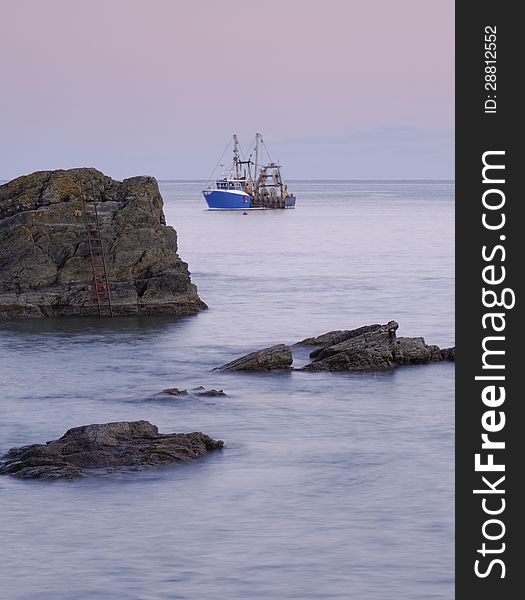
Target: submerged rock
[[175, 392], [126, 445], [210, 393], [268, 359], [371, 348], [45, 261], [198, 391]]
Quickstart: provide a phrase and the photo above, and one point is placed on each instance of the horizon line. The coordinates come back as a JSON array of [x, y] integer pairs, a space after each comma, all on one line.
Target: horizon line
[[447, 180], [324, 180]]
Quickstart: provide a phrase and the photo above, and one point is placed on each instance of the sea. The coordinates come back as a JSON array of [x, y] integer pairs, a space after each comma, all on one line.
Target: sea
[[330, 485]]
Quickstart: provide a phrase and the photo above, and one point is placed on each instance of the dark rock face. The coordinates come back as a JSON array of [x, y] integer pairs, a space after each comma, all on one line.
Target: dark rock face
[[372, 348], [134, 445], [45, 263], [268, 359]]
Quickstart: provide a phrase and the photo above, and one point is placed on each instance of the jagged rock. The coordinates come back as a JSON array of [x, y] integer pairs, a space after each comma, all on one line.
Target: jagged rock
[[267, 359], [175, 392], [372, 348], [45, 262], [335, 337], [126, 445], [448, 354], [211, 393]]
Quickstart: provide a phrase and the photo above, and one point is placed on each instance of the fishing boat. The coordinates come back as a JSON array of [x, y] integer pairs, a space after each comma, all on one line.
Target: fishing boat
[[249, 184]]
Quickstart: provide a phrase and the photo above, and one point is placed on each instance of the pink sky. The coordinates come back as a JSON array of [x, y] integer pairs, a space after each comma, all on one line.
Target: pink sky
[[339, 88]]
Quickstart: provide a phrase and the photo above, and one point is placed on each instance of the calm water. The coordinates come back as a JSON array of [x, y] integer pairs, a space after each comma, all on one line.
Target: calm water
[[331, 486]]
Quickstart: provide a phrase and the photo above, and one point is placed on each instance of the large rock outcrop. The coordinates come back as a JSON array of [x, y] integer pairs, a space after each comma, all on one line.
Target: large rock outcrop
[[45, 260], [371, 348], [368, 348], [126, 445]]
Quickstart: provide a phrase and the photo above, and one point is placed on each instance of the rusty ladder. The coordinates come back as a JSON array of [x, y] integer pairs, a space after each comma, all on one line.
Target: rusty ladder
[[100, 285]]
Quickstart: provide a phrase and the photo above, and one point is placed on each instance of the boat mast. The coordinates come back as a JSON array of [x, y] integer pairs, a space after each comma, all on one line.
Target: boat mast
[[236, 156], [257, 140]]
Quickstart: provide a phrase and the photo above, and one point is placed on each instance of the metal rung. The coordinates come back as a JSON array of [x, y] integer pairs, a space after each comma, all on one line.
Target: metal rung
[[100, 285]]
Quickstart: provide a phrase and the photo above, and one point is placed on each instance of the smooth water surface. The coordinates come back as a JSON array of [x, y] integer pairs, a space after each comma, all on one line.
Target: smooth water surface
[[330, 486]]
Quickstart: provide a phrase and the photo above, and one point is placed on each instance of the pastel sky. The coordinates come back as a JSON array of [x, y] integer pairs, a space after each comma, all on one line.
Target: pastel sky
[[340, 89]]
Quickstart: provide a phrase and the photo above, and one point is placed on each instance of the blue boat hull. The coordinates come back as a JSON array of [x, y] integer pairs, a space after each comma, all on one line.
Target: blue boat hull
[[227, 199]]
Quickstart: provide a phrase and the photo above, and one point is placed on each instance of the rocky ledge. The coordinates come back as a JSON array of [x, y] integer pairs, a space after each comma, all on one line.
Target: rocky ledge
[[368, 348], [134, 445], [268, 359], [371, 348], [45, 259]]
